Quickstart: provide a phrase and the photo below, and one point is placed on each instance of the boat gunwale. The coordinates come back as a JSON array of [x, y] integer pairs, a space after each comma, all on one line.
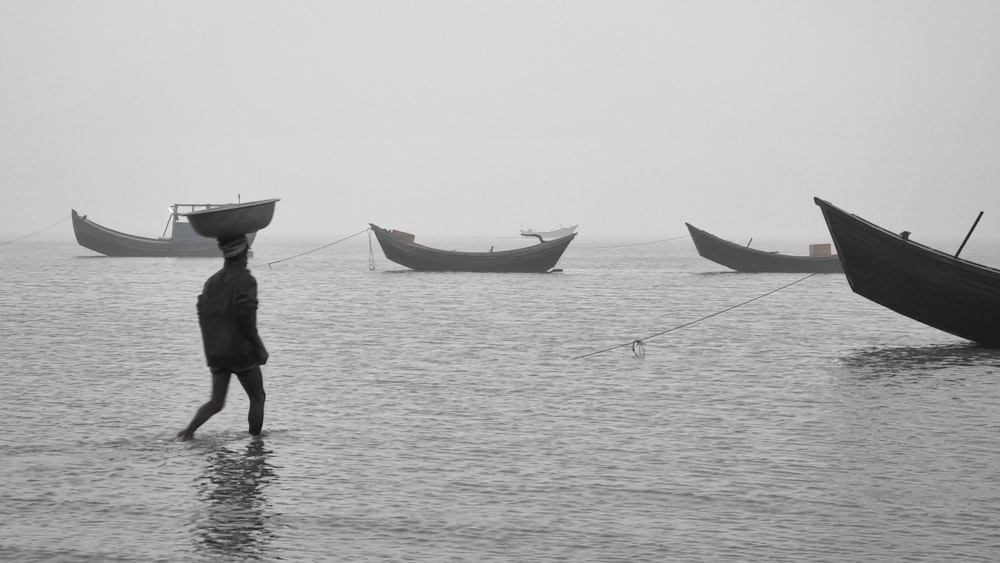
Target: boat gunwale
[[918, 246]]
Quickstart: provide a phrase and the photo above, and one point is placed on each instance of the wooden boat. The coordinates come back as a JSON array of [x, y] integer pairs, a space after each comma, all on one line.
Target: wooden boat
[[744, 259], [940, 290], [400, 248], [549, 235], [182, 242]]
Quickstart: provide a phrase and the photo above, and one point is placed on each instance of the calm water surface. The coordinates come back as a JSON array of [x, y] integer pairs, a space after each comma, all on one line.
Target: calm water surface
[[447, 417]]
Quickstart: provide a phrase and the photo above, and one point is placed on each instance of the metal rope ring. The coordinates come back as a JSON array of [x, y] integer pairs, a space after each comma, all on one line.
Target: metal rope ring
[[639, 348]]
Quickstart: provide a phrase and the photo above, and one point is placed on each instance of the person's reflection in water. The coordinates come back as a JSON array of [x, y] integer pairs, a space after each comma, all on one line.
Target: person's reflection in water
[[235, 522]]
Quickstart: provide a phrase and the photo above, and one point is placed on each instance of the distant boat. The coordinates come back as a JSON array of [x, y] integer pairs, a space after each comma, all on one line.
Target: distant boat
[[549, 235], [937, 289], [400, 248], [744, 259], [182, 242]]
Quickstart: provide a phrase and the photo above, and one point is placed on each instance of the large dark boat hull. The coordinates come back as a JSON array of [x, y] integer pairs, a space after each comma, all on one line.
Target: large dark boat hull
[[541, 257], [937, 289], [749, 260], [183, 243]]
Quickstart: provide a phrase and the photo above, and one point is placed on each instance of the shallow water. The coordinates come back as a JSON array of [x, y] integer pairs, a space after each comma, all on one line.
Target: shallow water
[[446, 416]]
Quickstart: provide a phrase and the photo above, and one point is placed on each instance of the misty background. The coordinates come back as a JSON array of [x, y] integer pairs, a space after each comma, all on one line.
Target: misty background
[[628, 117]]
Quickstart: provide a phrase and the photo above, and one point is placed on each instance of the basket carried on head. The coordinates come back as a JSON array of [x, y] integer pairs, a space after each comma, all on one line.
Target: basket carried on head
[[232, 220]]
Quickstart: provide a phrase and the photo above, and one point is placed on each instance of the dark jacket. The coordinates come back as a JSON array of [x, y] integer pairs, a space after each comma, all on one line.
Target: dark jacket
[[227, 313]]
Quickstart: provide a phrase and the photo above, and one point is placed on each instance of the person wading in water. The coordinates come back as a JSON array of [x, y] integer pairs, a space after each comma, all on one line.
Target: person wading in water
[[227, 314]]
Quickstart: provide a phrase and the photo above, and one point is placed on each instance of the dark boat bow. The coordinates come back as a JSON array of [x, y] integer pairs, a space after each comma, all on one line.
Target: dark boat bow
[[937, 289]]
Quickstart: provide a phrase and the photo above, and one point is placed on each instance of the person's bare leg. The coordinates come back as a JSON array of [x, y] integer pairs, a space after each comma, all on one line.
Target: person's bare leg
[[253, 383], [220, 386]]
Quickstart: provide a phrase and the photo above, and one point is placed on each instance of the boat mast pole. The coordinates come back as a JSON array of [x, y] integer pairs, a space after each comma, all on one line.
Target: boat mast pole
[[969, 235], [173, 215]]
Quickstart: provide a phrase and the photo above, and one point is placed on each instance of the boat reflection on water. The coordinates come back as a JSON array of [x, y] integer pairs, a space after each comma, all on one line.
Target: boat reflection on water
[[235, 517], [883, 362]]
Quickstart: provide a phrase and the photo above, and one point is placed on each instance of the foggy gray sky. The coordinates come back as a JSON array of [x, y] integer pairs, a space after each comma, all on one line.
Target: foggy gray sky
[[484, 117]]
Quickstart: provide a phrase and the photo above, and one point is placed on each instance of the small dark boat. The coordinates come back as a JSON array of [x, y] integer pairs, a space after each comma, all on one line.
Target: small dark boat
[[400, 248], [940, 290], [182, 242], [744, 259]]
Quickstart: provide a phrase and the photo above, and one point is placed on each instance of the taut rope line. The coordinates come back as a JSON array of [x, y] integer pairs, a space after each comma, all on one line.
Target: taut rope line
[[639, 243], [320, 248], [638, 346], [35, 233]]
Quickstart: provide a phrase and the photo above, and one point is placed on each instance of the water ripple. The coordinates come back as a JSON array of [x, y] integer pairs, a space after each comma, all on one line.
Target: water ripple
[[437, 417]]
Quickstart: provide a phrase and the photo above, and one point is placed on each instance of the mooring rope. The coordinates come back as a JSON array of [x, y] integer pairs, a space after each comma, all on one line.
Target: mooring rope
[[63, 220], [320, 248], [371, 252], [639, 346], [639, 243]]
